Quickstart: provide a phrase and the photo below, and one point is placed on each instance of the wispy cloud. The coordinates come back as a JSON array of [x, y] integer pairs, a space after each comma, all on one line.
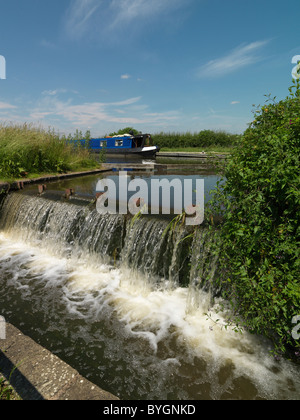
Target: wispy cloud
[[99, 16], [66, 115], [241, 57], [5, 105], [129, 101], [79, 15], [51, 110], [47, 44], [125, 11], [9, 113], [58, 91], [53, 92]]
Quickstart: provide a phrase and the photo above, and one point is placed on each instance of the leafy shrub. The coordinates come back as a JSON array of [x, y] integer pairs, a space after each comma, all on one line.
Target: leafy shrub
[[260, 234], [126, 130], [205, 138]]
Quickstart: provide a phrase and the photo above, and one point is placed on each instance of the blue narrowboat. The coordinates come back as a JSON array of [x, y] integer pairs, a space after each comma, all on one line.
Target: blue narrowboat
[[127, 144]]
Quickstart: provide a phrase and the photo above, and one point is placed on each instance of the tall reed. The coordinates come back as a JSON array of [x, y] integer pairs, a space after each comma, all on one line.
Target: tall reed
[[25, 149]]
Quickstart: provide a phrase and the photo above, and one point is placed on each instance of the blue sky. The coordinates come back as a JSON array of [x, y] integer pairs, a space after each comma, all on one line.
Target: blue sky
[[156, 65]]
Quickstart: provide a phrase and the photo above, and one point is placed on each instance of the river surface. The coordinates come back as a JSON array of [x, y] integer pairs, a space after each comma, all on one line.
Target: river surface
[[121, 302]]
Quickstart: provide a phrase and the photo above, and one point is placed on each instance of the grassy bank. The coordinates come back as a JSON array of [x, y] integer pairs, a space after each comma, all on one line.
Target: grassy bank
[[26, 151]]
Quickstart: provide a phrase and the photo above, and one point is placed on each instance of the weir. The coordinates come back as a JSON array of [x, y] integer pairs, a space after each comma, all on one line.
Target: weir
[[145, 244], [130, 303]]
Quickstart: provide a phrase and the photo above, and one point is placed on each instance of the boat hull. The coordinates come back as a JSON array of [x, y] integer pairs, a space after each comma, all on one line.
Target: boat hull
[[139, 152]]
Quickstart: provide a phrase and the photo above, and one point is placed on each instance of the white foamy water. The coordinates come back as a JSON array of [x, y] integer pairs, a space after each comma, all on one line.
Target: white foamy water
[[147, 337]]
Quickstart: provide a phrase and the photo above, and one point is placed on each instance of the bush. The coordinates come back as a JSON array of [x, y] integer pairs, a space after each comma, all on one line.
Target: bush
[[126, 130], [260, 204], [203, 139]]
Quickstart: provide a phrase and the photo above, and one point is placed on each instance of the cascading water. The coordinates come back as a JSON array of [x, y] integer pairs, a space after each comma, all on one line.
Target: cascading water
[[124, 303]]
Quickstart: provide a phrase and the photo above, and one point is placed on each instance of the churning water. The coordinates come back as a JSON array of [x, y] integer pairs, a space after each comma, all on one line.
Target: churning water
[[125, 305]]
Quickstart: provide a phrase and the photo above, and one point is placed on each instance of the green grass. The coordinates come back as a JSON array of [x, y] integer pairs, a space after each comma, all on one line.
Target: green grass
[[7, 393], [27, 151]]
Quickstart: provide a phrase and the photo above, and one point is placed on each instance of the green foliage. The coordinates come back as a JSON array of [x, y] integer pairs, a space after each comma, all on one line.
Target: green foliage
[[260, 233], [7, 393], [203, 139], [25, 150], [126, 130]]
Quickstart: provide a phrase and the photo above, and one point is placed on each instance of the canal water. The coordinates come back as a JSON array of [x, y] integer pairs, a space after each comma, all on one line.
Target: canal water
[[126, 303]]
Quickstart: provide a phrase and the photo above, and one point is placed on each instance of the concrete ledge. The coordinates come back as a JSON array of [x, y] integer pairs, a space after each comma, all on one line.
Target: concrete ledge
[[20, 184], [5, 187], [37, 374]]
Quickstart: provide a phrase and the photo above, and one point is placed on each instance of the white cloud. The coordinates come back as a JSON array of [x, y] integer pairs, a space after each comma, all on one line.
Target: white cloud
[[125, 76], [79, 15], [53, 92], [93, 16], [57, 92], [129, 101], [234, 102], [51, 110], [4, 105], [125, 11], [243, 56], [106, 117]]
